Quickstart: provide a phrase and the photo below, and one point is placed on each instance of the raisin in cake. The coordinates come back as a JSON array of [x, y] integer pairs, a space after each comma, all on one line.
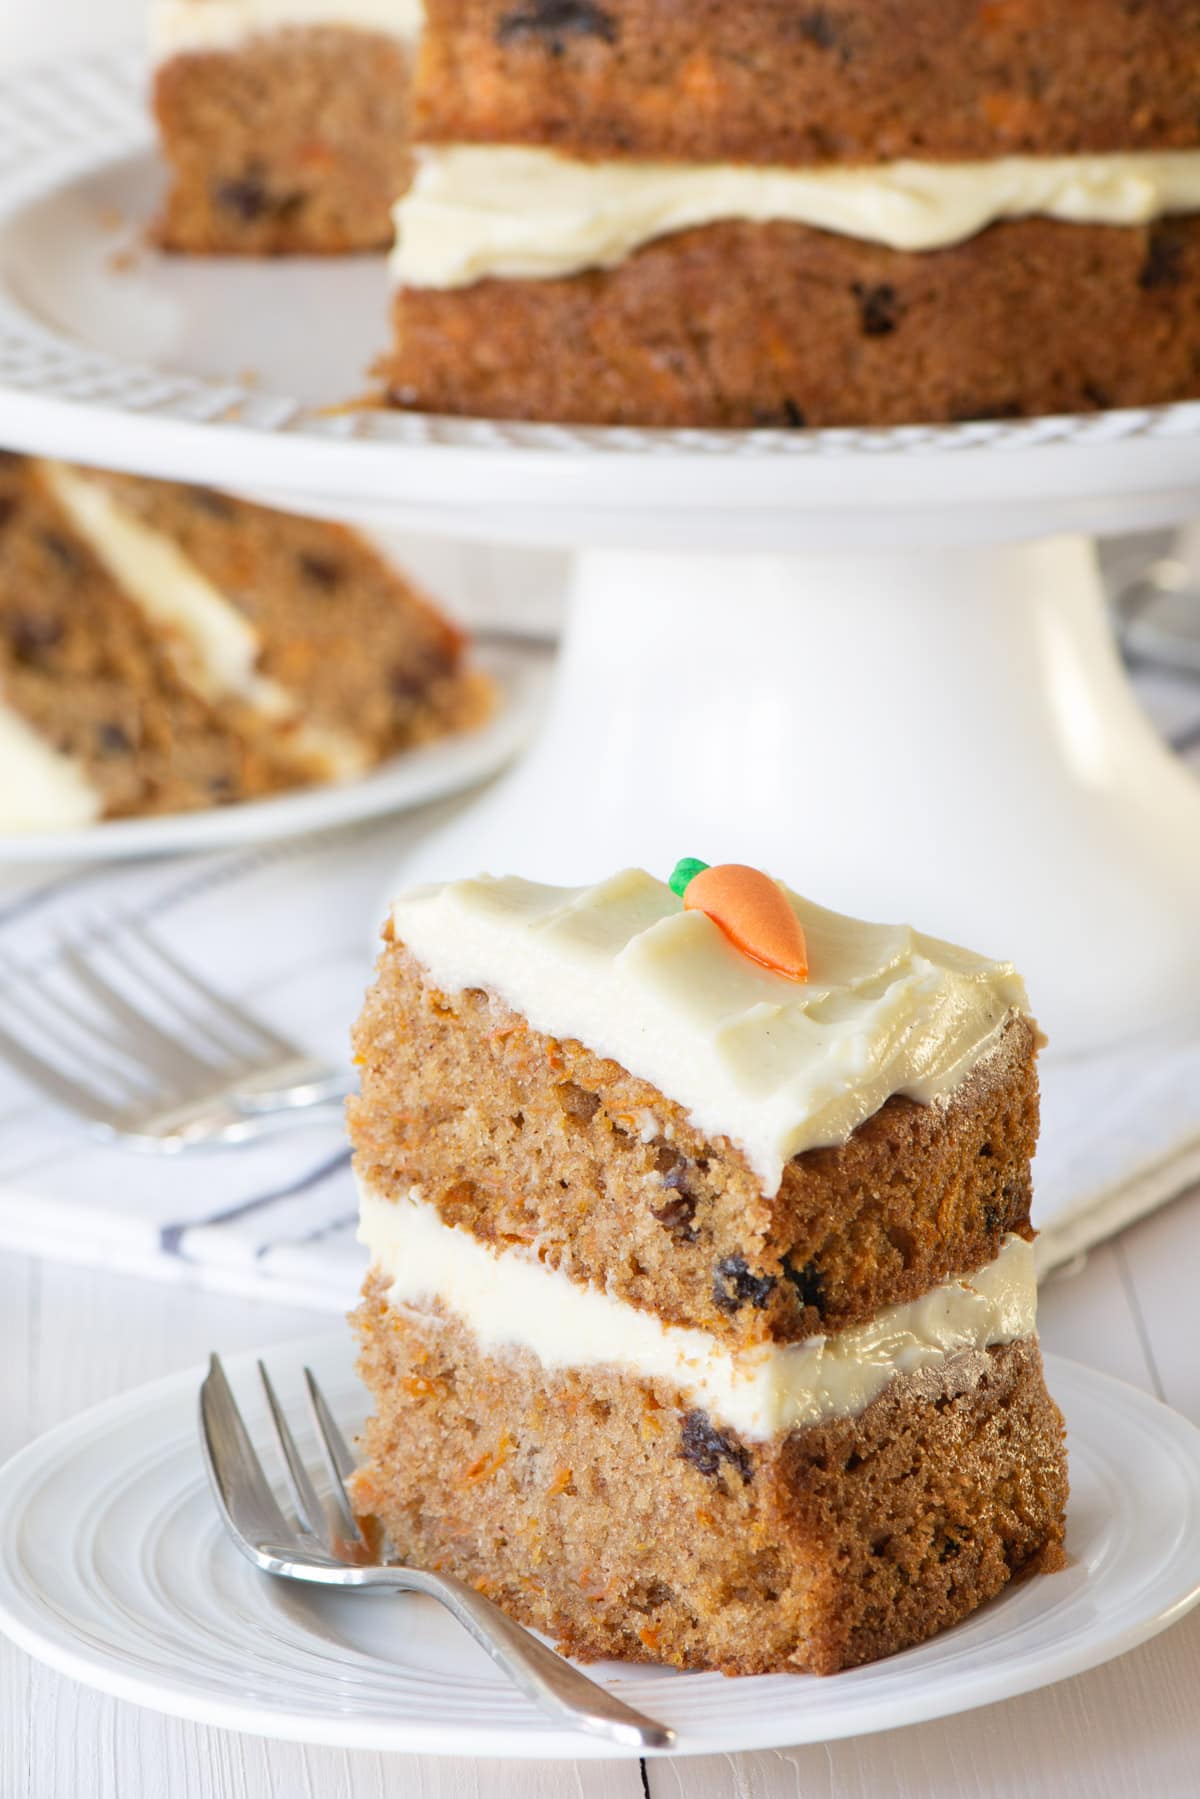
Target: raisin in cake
[[284, 122], [700, 1326], [855, 213], [167, 648]]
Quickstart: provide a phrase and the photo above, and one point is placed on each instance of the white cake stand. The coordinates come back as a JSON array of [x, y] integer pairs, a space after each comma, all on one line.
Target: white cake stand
[[876, 662]]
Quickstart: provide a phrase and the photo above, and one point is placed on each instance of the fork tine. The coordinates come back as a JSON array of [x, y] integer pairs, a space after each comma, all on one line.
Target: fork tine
[[338, 1459], [148, 1039], [45, 1010], [131, 952], [268, 1040], [309, 1509], [80, 1034], [69, 1093], [243, 1491]]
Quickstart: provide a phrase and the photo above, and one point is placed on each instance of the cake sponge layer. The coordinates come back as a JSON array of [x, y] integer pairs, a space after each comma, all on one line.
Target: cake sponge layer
[[525, 1139], [820, 330], [604, 1511], [848, 81], [293, 141]]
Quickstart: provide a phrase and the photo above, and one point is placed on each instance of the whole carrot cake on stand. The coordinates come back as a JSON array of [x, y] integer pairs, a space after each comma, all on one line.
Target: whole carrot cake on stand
[[284, 122], [700, 1326], [767, 214], [168, 648]]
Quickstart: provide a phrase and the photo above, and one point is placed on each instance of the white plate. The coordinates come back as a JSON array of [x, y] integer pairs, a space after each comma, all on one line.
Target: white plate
[[218, 369], [115, 1570], [430, 772]]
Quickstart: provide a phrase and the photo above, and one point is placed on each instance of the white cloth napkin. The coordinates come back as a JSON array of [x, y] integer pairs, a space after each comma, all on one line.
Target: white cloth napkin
[[287, 930]]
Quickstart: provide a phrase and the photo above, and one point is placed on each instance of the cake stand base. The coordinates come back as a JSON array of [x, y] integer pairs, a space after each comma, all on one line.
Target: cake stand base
[[946, 737]]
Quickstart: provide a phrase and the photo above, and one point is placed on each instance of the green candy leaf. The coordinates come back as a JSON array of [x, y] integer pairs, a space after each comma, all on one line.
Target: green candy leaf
[[685, 870]]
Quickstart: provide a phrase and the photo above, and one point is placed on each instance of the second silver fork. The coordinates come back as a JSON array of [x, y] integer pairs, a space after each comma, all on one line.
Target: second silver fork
[[134, 1042]]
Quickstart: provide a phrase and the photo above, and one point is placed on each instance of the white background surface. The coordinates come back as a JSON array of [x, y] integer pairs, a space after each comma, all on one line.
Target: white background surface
[[39, 27], [70, 1338]]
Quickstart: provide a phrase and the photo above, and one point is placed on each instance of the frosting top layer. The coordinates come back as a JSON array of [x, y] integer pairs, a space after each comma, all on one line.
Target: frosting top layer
[[477, 210], [177, 26], [774, 1065]]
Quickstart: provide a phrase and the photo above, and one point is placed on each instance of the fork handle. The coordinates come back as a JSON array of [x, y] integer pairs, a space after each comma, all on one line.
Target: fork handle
[[222, 1122], [318, 1087], [558, 1689]]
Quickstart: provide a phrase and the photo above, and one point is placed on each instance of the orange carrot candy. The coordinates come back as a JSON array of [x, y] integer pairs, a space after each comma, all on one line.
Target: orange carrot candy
[[750, 908]]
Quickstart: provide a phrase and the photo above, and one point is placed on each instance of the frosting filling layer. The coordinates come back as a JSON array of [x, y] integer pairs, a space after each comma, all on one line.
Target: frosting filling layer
[[510, 1300], [475, 211], [178, 27], [40, 789], [213, 646], [773, 1065]]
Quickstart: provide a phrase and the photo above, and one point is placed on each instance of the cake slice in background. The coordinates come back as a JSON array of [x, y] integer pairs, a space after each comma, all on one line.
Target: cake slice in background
[[700, 1325], [767, 215], [285, 122], [166, 648]]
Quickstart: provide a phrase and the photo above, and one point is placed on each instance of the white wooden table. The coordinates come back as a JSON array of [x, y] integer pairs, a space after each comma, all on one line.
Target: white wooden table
[[70, 1338]]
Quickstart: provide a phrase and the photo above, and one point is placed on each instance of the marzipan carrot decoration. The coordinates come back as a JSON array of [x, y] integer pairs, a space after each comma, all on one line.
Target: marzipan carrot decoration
[[751, 910]]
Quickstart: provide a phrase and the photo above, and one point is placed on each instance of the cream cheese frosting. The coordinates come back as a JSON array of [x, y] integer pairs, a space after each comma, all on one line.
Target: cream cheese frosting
[[180, 26], [774, 1065], [40, 788], [511, 1300], [214, 647], [501, 210]]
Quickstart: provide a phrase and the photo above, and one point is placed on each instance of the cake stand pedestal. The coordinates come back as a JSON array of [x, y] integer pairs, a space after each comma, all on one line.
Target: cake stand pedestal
[[942, 735]]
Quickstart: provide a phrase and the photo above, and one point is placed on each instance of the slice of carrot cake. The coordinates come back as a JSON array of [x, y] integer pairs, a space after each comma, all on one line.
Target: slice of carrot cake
[[284, 122], [168, 648], [700, 1324]]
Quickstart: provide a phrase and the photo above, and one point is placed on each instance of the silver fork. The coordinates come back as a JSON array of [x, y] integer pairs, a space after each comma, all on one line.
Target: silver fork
[[150, 1055], [312, 1549]]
